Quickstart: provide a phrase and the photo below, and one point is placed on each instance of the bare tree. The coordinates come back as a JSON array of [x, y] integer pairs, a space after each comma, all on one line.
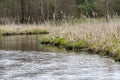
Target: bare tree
[[23, 14]]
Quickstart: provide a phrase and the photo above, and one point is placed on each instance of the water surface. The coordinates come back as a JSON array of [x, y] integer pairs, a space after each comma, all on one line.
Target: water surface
[[19, 65], [23, 58]]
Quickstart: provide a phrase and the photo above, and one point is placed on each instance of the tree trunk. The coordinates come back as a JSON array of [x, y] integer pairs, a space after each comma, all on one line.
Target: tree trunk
[[22, 15]]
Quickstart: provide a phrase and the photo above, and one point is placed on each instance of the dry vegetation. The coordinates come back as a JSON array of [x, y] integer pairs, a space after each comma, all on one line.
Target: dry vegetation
[[101, 35], [95, 29]]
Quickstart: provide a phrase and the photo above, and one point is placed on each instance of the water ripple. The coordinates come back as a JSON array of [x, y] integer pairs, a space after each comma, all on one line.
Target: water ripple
[[21, 65]]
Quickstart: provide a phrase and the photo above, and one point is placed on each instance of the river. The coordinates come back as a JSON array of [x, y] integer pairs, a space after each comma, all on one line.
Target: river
[[20, 60]]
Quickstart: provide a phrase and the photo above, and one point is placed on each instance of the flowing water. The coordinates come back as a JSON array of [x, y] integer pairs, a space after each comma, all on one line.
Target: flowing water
[[23, 58]]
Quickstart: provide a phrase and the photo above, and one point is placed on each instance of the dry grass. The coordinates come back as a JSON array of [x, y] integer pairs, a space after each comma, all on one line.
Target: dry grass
[[97, 30], [106, 35]]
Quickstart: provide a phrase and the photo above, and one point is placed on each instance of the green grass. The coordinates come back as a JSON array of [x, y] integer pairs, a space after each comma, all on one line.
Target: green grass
[[2, 31], [44, 40], [117, 57], [80, 44], [35, 31], [65, 43], [102, 48]]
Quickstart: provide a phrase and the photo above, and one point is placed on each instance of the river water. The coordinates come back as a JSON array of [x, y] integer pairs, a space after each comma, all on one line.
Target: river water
[[46, 63]]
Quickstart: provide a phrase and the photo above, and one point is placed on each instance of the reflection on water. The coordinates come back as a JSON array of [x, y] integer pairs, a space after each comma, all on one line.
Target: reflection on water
[[21, 58], [24, 43]]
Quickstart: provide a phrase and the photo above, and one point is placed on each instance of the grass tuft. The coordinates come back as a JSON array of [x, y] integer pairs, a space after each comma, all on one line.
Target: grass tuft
[[35, 31]]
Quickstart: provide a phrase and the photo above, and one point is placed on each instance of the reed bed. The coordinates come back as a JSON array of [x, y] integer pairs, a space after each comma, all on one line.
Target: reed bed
[[100, 36]]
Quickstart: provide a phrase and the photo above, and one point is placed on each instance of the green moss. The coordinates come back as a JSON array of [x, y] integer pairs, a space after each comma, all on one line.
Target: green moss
[[2, 31], [44, 40], [35, 31], [114, 45], [9, 33], [114, 40], [58, 41], [91, 47], [80, 44], [117, 56], [69, 46], [100, 48], [110, 48], [43, 31]]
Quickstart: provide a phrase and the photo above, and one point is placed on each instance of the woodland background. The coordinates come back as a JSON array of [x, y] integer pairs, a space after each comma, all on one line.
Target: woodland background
[[37, 11]]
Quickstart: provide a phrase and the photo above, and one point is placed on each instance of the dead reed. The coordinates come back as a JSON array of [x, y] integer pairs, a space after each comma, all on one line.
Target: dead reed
[[105, 36]]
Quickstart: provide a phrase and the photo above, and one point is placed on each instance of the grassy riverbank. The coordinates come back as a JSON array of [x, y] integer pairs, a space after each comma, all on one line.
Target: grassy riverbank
[[13, 29], [96, 36]]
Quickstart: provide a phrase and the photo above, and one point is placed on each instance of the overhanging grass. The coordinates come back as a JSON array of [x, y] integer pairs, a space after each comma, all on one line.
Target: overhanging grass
[[102, 48], [93, 35]]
